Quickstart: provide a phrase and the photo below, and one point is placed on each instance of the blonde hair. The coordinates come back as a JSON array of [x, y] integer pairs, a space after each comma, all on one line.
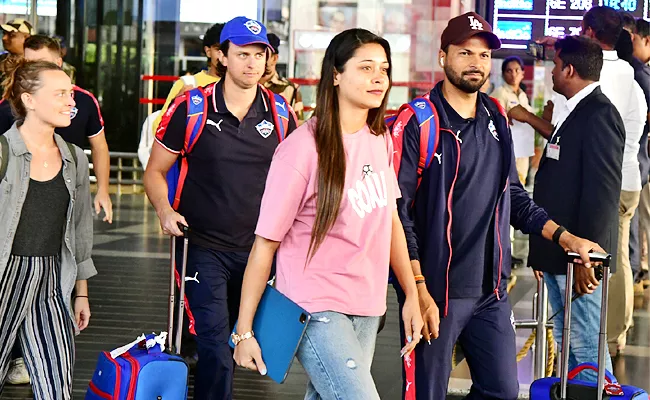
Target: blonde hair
[[23, 77]]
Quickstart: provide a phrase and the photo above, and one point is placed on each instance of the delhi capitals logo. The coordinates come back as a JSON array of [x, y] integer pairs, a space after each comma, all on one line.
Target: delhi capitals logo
[[196, 99], [420, 105], [253, 26], [73, 112], [265, 128]]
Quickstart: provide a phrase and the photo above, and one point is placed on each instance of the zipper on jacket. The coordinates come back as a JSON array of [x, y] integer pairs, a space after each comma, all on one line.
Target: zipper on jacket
[[496, 223], [450, 197]]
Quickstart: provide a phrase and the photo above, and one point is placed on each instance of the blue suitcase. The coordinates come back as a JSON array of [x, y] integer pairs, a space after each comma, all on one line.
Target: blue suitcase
[[142, 370], [567, 387], [549, 388], [139, 374]]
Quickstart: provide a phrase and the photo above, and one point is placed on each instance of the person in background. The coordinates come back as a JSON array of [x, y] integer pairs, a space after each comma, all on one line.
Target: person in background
[[147, 140], [511, 95], [621, 300], [604, 26], [46, 228], [277, 84], [640, 30], [200, 79], [67, 68], [14, 34], [579, 185]]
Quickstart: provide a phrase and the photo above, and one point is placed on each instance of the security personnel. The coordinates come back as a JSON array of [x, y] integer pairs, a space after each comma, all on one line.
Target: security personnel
[[221, 195], [457, 224], [14, 34]]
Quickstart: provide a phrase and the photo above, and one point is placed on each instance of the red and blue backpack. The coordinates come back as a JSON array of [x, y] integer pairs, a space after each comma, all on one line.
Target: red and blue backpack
[[197, 109], [429, 122]]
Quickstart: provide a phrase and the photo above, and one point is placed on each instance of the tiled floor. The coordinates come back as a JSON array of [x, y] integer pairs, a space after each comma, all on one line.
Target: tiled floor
[[128, 298]]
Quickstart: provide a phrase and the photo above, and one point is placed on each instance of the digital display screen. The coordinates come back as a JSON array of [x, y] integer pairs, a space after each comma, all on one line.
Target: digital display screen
[[517, 22]]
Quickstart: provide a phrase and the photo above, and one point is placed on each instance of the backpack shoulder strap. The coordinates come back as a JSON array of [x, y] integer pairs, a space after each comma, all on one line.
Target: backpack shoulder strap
[[427, 118], [281, 113], [502, 110], [4, 153], [197, 106]]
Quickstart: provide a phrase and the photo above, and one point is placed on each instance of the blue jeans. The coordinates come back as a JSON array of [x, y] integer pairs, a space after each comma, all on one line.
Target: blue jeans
[[585, 325], [337, 352]]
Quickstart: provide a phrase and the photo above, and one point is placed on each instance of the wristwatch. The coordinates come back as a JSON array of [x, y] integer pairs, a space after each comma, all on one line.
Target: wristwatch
[[238, 338]]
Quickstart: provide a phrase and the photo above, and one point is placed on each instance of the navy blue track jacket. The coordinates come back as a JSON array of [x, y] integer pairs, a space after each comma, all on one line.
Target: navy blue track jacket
[[427, 214]]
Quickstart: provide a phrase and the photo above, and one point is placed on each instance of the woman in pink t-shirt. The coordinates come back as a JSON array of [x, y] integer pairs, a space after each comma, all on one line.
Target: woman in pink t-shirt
[[329, 210]]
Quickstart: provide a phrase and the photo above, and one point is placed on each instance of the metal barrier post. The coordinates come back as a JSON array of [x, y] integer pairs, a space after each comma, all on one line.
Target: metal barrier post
[[119, 176], [134, 175], [541, 315]]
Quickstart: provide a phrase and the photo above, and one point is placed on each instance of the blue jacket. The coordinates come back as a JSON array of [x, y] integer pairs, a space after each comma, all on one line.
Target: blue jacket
[[427, 214]]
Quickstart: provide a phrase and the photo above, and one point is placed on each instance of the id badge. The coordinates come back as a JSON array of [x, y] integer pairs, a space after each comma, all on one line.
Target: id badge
[[553, 151]]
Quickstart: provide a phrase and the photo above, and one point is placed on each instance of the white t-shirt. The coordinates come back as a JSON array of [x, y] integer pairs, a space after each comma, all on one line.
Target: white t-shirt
[[146, 139]]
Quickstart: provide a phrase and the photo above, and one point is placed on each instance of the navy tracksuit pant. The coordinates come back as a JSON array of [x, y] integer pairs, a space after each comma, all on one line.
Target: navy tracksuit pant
[[484, 329], [213, 289]]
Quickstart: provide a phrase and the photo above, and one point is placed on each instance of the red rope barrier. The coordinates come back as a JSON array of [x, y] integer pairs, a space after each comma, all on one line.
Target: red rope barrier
[[298, 81]]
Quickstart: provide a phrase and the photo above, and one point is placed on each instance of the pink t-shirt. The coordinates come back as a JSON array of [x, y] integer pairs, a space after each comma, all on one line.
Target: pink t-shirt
[[349, 273]]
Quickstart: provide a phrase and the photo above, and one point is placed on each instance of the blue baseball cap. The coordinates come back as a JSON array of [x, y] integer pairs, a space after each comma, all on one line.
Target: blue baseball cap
[[243, 31]]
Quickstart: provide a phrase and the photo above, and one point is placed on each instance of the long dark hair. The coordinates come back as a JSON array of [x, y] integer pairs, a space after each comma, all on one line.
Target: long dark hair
[[328, 135]]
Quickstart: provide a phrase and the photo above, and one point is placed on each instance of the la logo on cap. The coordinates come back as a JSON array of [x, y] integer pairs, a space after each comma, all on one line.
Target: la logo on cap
[[253, 26], [475, 24]]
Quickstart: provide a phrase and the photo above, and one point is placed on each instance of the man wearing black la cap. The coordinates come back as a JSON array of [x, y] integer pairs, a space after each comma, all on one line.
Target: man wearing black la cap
[[457, 224], [222, 193]]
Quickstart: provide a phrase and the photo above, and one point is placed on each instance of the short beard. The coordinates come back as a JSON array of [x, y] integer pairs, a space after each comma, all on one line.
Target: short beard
[[463, 84]]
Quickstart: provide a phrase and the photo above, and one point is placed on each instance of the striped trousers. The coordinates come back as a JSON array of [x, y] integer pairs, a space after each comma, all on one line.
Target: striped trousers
[[33, 311]]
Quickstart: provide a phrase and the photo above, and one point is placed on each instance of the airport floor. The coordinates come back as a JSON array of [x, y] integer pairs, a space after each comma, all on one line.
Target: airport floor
[[129, 297]]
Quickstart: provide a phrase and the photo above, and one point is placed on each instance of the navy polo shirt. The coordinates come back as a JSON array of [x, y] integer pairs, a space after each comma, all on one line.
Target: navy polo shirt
[[85, 119], [474, 200], [227, 170]]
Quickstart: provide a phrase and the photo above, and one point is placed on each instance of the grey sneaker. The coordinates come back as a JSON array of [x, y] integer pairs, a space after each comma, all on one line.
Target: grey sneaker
[[17, 374]]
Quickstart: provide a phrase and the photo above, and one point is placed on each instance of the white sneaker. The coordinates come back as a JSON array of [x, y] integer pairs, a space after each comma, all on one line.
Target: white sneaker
[[17, 374]]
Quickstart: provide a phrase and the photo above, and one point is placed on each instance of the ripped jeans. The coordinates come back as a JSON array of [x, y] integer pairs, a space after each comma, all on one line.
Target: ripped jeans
[[337, 352]]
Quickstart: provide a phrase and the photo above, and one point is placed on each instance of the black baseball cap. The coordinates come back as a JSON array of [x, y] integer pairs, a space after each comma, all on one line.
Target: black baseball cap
[[274, 41], [465, 26]]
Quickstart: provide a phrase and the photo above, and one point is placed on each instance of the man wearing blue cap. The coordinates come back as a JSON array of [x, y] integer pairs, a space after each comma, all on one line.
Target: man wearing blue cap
[[222, 190]]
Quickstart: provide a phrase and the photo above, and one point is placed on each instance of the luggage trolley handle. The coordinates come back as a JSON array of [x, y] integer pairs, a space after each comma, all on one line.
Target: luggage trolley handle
[[604, 260], [172, 289]]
